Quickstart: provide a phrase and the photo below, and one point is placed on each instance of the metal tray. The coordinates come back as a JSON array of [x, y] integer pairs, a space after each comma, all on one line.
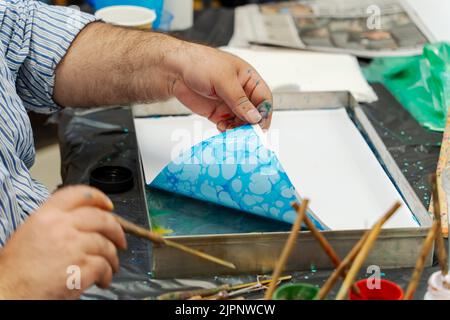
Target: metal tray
[[255, 248]]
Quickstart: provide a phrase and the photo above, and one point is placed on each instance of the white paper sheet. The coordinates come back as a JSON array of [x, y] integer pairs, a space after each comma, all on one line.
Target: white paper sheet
[[162, 139], [323, 153], [293, 70], [328, 161]]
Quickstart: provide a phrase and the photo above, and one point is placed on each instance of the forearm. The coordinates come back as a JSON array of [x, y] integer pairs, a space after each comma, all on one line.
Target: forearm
[[107, 65]]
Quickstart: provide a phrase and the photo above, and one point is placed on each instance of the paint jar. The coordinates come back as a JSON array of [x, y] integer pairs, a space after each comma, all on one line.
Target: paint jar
[[156, 5], [128, 16], [387, 290], [436, 288], [296, 291]]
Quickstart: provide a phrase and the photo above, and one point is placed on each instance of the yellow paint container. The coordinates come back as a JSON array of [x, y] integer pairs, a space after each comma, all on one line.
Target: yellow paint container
[[128, 16]]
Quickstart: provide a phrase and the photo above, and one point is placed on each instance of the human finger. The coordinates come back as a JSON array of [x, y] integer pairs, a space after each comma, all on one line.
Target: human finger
[[72, 197]]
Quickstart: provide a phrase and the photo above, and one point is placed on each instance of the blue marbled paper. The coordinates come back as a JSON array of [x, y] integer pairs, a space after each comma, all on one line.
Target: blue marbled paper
[[233, 169]]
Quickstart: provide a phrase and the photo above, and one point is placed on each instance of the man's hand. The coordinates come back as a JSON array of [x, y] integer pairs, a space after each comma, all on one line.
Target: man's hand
[[222, 87], [73, 228], [107, 65]]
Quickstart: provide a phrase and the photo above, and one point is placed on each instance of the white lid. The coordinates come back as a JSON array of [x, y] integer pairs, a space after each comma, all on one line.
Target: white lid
[[129, 16]]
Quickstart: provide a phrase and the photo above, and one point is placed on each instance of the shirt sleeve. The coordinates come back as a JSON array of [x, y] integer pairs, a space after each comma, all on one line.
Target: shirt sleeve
[[9, 210], [35, 37]]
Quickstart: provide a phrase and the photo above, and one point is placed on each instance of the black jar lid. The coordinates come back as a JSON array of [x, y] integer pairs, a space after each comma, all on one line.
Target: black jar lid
[[111, 179]]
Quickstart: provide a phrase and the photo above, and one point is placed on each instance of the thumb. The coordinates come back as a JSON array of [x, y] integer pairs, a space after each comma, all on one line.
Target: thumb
[[235, 97]]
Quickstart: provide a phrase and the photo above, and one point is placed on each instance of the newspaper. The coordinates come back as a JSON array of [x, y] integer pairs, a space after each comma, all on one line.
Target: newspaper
[[366, 28]]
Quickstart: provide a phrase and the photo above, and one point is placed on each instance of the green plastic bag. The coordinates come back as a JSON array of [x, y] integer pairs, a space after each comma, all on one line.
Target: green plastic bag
[[420, 83]]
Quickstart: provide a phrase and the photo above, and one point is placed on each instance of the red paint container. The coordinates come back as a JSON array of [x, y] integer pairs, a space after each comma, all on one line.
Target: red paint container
[[387, 290]]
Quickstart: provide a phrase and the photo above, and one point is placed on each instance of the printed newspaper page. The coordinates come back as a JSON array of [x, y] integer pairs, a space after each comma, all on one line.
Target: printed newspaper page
[[366, 28]]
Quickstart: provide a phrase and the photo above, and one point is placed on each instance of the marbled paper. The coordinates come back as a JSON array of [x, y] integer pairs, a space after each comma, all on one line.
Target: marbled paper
[[236, 170]]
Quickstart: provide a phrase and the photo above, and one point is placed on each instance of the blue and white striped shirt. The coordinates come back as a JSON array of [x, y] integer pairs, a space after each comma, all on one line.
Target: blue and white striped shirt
[[33, 38]]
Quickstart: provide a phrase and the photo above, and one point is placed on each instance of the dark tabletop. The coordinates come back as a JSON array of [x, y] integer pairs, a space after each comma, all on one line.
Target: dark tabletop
[[107, 137]]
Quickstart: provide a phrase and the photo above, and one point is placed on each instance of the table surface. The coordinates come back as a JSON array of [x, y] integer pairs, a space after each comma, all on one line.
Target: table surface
[[102, 137]]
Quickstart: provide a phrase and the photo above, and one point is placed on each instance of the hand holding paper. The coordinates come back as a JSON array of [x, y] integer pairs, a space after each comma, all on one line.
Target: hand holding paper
[[222, 87]]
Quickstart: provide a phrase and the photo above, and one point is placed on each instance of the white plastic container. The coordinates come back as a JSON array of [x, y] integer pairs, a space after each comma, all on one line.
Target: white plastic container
[[127, 16], [436, 289], [182, 11]]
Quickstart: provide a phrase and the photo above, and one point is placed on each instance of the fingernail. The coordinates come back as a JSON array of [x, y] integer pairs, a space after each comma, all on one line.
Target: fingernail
[[222, 125], [253, 116], [264, 109], [263, 125], [110, 204]]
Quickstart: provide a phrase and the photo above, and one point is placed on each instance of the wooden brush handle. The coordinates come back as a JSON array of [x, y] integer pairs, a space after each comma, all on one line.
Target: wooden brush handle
[[326, 246], [132, 228]]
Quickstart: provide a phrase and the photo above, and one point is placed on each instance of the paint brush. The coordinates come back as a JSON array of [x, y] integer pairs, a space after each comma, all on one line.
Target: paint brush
[[261, 282], [420, 263], [440, 245], [331, 281], [188, 294], [445, 181], [191, 294], [132, 228], [227, 295], [326, 246], [364, 252], [252, 287], [287, 249]]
